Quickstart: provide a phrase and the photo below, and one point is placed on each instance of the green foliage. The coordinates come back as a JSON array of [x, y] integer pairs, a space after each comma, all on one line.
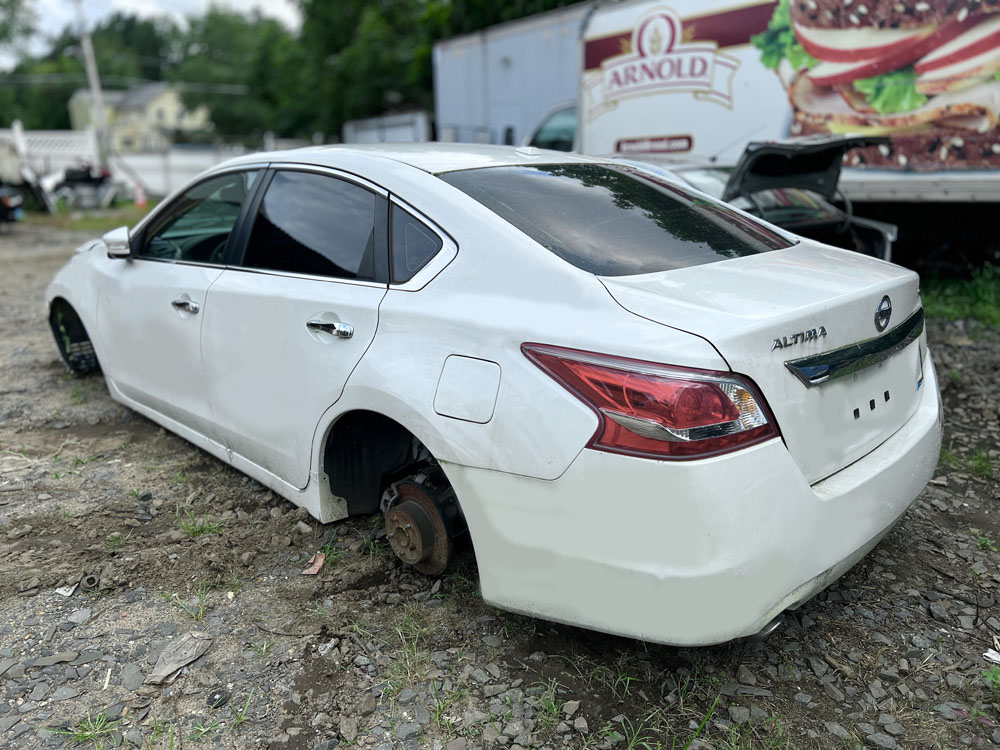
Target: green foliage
[[892, 92], [91, 729], [351, 59], [980, 465], [194, 527], [225, 51], [991, 677], [16, 20], [128, 49], [956, 299], [779, 43]]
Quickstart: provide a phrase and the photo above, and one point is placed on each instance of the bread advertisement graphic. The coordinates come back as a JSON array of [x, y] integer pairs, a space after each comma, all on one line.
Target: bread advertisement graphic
[[926, 74]]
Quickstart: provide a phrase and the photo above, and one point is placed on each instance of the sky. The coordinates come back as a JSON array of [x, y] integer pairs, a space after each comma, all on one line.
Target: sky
[[54, 15]]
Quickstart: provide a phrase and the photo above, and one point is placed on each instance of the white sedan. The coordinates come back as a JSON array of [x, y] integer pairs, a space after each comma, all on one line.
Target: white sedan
[[652, 414]]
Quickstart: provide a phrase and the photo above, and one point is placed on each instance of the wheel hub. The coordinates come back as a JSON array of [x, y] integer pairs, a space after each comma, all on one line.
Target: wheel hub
[[416, 530]]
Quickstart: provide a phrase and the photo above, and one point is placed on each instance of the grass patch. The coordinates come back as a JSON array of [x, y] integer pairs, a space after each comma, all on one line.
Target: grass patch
[[195, 609], [956, 299], [194, 527], [96, 221], [978, 463], [116, 540], [411, 660], [90, 729], [618, 677], [240, 714], [991, 677], [443, 705], [262, 649], [766, 735], [201, 730], [548, 709], [985, 543]]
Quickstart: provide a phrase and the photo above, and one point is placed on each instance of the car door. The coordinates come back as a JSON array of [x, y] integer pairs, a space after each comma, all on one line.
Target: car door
[[287, 324], [151, 305]]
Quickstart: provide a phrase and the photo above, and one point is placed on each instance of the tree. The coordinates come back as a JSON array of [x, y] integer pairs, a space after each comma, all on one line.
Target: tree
[[366, 57], [233, 64], [17, 20]]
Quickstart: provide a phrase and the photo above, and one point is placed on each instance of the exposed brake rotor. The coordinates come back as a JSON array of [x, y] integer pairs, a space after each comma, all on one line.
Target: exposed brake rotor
[[416, 525]]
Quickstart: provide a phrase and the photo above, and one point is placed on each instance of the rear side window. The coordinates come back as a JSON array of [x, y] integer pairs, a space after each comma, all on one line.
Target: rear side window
[[614, 220], [413, 245], [316, 225]]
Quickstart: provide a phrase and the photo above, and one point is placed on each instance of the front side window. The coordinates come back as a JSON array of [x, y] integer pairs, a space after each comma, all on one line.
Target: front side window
[[614, 220], [413, 245], [557, 132], [315, 225], [196, 227]]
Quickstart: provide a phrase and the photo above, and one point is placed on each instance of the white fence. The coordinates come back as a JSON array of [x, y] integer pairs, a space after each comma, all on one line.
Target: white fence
[[162, 173], [35, 154], [45, 151]]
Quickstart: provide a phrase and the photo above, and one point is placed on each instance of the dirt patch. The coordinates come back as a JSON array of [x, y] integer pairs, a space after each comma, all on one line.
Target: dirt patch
[[367, 653]]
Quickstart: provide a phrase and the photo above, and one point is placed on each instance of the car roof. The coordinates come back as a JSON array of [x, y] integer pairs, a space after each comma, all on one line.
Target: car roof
[[434, 158]]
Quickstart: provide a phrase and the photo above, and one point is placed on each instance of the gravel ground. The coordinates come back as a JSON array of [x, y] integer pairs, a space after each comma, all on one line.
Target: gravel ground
[[193, 566]]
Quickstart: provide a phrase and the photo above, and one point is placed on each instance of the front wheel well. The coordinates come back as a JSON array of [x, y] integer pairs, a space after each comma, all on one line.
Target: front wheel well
[[71, 337]]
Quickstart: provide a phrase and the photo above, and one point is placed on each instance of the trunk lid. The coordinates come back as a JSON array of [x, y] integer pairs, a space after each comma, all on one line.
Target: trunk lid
[[763, 311], [811, 163]]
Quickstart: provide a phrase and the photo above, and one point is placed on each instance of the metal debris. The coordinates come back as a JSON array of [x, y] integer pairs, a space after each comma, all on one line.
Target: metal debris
[[314, 564]]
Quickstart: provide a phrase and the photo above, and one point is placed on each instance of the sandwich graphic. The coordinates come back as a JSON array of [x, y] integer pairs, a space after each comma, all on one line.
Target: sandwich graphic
[[925, 73]]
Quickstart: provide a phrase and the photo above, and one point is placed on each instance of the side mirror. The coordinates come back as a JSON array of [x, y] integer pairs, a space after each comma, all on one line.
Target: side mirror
[[117, 243]]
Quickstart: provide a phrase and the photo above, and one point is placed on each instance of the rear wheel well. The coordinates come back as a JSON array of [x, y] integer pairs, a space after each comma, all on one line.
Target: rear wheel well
[[374, 464], [72, 338], [365, 452]]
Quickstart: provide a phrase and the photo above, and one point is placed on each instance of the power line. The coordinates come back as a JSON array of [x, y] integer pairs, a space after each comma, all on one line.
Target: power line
[[54, 79]]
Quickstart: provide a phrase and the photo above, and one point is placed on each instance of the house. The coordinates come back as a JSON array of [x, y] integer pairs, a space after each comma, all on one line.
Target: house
[[143, 118]]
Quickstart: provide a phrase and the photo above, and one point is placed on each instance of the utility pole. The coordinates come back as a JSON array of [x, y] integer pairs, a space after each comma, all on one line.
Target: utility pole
[[94, 79]]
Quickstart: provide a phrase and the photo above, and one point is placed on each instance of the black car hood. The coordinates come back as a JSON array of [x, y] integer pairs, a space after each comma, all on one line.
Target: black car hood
[[811, 163]]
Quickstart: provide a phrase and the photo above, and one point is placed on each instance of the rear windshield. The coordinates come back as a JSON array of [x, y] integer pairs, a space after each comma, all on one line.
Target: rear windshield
[[614, 220]]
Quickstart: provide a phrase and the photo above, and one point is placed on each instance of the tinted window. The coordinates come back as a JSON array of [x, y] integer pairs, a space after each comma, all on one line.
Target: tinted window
[[413, 244], [197, 225], [557, 132], [314, 224], [786, 207], [614, 220]]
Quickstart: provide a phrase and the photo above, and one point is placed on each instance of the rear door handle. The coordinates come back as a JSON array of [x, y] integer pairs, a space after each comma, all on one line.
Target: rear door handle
[[187, 305], [340, 330]]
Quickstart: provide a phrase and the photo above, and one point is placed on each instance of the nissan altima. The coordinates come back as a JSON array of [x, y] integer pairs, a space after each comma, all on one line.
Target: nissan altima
[[645, 411]]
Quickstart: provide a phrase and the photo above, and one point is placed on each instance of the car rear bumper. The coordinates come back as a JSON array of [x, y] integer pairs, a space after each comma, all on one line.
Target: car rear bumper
[[688, 553]]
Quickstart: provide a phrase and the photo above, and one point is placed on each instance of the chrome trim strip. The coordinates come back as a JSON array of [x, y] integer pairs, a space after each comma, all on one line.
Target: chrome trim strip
[[817, 369], [307, 277], [207, 174]]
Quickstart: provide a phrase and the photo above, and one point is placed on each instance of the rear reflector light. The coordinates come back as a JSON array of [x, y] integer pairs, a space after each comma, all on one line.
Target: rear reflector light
[[656, 411]]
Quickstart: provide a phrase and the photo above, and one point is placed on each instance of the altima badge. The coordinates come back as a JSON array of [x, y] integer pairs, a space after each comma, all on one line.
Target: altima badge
[[797, 338], [882, 313]]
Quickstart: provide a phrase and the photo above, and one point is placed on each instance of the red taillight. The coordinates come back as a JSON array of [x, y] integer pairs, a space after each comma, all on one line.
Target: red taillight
[[652, 410]]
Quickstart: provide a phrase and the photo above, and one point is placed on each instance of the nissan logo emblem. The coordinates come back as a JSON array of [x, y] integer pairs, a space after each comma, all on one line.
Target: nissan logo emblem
[[882, 313]]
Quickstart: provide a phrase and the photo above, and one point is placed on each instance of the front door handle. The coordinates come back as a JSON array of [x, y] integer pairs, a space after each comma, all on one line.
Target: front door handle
[[187, 305], [340, 330]]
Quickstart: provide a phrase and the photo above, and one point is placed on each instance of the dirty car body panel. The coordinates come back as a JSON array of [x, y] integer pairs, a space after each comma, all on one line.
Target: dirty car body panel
[[596, 359]]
